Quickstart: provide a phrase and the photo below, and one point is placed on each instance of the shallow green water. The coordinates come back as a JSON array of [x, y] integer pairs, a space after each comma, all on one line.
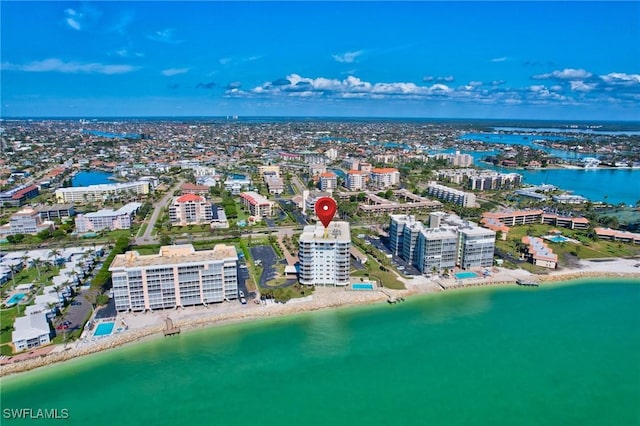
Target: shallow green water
[[566, 355]]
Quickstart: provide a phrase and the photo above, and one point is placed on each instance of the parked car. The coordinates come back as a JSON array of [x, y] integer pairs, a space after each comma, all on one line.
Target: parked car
[[243, 300], [241, 293]]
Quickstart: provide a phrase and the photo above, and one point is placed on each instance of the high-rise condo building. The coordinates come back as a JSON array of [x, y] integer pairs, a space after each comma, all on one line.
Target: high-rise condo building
[[324, 257], [177, 276], [448, 242]]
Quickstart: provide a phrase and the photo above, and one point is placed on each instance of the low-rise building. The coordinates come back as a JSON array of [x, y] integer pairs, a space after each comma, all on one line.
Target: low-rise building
[[84, 194], [617, 235], [465, 199], [19, 195], [56, 211], [258, 205], [26, 222], [190, 188], [107, 219], [539, 253], [30, 332]]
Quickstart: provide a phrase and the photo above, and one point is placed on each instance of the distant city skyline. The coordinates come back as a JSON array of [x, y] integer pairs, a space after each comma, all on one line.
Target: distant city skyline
[[496, 60]]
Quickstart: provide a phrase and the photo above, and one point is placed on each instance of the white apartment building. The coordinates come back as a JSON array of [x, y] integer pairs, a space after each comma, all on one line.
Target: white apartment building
[[30, 332], [275, 184], [190, 209], [81, 194], [309, 199], [448, 242], [258, 205], [177, 276], [26, 222], [385, 177], [325, 257], [328, 181], [107, 219], [356, 180], [317, 169], [465, 199], [461, 160]]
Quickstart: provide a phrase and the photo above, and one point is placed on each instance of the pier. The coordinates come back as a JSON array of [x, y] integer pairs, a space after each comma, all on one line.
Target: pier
[[526, 283], [169, 328]]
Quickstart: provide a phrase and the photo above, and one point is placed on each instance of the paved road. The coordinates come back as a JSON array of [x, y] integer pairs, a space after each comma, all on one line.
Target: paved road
[[157, 208]]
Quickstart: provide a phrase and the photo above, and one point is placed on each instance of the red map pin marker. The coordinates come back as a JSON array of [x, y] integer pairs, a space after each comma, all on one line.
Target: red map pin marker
[[325, 209]]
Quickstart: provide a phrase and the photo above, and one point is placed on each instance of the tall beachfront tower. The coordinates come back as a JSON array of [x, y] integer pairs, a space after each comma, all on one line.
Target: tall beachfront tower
[[324, 259], [177, 276]]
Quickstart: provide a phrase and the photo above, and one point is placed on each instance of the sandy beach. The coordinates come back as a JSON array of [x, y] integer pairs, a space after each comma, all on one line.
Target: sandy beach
[[142, 326]]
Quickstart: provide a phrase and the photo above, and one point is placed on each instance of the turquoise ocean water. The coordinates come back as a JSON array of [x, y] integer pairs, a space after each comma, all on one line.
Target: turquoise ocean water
[[559, 355]]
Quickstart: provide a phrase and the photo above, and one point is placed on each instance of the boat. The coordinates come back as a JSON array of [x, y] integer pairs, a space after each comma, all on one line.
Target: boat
[[590, 163], [621, 164]]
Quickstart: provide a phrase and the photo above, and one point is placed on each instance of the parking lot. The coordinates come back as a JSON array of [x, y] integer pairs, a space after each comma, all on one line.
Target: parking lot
[[400, 264]]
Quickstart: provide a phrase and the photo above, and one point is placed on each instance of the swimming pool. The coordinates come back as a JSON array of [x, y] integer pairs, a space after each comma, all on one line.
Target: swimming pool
[[15, 299], [362, 286], [104, 329], [556, 238], [465, 274]]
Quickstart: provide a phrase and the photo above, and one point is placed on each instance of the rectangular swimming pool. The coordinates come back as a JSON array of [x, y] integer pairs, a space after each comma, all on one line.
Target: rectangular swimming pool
[[15, 299], [465, 274], [556, 238], [104, 329], [362, 286]]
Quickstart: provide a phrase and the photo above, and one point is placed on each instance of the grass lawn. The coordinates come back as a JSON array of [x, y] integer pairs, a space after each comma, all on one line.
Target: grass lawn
[[6, 350], [387, 278], [588, 249], [190, 229], [7, 317]]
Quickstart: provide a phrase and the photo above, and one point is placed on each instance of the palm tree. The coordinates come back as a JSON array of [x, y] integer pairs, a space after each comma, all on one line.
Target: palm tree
[[24, 259], [53, 307], [55, 253], [57, 289], [36, 262], [72, 274]]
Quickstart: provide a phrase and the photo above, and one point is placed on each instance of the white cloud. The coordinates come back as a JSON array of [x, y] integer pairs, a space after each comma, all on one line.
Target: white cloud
[[475, 83], [565, 74], [72, 19], [348, 57], [501, 59], [81, 20], [581, 86], [57, 65], [164, 36], [174, 71], [447, 79], [621, 78]]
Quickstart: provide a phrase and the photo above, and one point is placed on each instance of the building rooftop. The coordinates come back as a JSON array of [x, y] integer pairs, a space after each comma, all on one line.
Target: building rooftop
[[190, 198], [336, 232], [169, 255], [30, 327]]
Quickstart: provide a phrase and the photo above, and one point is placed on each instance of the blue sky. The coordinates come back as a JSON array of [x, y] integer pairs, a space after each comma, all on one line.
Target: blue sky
[[538, 60]]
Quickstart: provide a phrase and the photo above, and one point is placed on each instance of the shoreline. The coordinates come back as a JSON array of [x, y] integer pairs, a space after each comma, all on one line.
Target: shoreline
[[152, 325]]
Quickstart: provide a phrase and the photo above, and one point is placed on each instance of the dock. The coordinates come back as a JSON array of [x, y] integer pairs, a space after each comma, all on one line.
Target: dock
[[391, 299], [169, 328], [526, 283]]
